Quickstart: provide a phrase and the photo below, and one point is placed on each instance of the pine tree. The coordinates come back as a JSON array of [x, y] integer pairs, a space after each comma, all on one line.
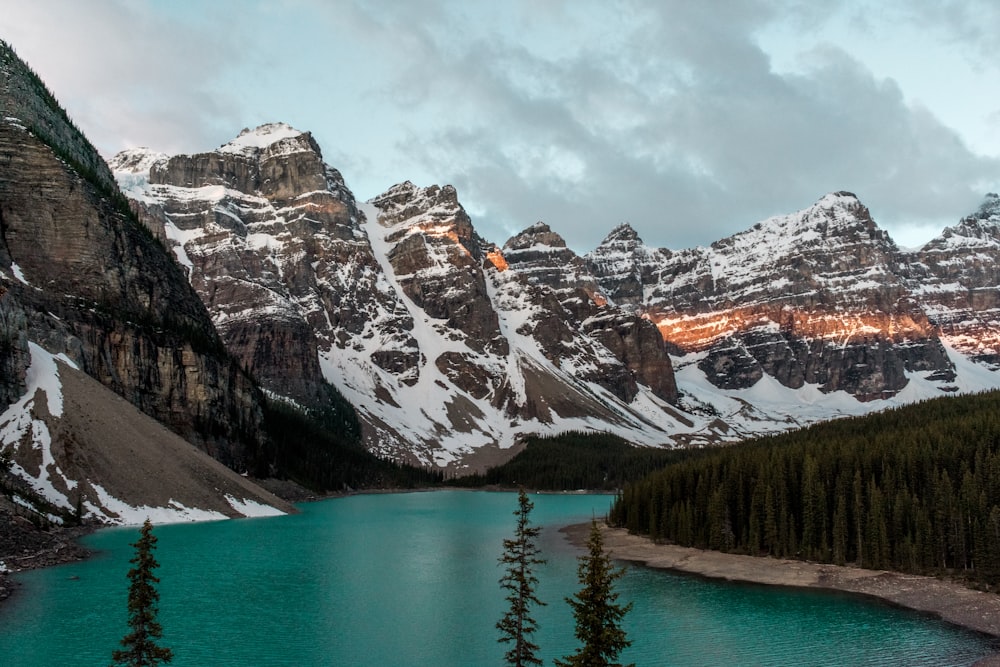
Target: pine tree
[[520, 556], [596, 609], [140, 647]]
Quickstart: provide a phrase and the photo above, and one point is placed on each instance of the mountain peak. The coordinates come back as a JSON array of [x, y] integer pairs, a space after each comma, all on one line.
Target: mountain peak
[[135, 160], [990, 208], [842, 206], [261, 137], [623, 233], [538, 234]]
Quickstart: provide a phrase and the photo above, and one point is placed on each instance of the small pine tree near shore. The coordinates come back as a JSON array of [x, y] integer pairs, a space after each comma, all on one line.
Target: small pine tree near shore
[[141, 649], [520, 556], [596, 609]]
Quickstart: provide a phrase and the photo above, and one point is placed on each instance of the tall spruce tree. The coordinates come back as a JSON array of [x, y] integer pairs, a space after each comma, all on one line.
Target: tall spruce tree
[[596, 609], [140, 645], [520, 556]]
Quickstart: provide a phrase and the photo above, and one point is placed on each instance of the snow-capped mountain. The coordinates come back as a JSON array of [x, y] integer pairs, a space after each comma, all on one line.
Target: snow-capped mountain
[[452, 347], [819, 297], [449, 347], [956, 278]]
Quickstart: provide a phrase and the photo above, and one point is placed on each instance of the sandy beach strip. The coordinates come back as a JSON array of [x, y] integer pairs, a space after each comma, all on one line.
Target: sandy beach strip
[[952, 602]]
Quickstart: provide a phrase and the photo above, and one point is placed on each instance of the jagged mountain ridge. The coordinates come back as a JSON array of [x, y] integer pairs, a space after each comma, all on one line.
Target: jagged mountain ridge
[[456, 346], [444, 346], [821, 296], [956, 277]]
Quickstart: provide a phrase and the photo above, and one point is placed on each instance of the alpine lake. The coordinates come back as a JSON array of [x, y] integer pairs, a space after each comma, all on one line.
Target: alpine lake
[[411, 580]]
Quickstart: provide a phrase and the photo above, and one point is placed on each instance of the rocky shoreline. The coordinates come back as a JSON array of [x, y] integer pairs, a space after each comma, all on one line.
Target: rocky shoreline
[[26, 547], [950, 601]]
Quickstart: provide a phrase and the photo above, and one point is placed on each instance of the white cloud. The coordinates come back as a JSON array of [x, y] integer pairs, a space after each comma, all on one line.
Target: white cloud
[[128, 73]]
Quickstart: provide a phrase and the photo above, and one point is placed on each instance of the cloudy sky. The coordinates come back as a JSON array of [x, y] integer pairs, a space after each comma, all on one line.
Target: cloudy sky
[[690, 120]]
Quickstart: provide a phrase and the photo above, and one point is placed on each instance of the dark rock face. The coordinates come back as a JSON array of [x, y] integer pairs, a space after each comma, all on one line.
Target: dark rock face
[[93, 284], [624, 265], [540, 257], [730, 365], [574, 302], [438, 261], [14, 354], [637, 344]]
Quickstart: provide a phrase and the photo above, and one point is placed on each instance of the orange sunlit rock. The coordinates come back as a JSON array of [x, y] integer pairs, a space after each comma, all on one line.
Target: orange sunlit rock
[[696, 332], [497, 259]]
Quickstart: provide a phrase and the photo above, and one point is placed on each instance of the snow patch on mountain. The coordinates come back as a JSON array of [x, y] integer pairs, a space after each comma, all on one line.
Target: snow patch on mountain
[[112, 511], [261, 137], [26, 435], [19, 427]]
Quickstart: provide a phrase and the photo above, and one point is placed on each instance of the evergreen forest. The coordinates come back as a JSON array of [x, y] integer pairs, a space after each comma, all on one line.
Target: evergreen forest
[[914, 489], [576, 460], [322, 451]]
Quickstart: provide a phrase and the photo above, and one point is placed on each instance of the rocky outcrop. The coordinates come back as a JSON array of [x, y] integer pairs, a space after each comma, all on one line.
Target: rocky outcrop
[[437, 259], [14, 354], [625, 266], [574, 302]]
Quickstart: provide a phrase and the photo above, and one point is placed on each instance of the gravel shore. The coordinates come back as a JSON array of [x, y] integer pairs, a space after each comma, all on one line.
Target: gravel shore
[[950, 601]]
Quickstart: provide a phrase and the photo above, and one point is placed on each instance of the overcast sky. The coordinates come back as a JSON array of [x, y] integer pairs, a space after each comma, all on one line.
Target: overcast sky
[[690, 120]]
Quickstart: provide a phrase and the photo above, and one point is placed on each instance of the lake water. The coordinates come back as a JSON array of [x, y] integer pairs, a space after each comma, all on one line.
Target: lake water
[[410, 580]]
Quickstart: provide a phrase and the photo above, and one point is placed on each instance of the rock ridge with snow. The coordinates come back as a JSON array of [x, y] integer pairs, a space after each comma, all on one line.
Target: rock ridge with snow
[[460, 346]]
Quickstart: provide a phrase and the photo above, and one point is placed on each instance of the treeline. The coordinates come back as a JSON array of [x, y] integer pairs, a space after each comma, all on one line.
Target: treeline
[[914, 489], [576, 460], [321, 450]]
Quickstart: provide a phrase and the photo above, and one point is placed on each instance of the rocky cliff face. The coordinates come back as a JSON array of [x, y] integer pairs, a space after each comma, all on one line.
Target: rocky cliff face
[[82, 278], [269, 236], [577, 303], [437, 259], [96, 286]]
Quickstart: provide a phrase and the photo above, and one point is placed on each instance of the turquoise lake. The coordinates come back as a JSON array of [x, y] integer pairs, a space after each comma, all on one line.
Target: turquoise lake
[[410, 580]]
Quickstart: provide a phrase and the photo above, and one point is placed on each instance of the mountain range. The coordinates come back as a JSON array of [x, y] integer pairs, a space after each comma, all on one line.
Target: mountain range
[[197, 289], [452, 347]]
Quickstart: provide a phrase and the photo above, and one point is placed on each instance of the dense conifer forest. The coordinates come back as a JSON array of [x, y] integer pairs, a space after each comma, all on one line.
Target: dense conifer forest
[[914, 489], [575, 460], [322, 451]]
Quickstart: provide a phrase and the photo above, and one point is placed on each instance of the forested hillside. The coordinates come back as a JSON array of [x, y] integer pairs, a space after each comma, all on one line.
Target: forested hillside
[[914, 489], [575, 460]]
